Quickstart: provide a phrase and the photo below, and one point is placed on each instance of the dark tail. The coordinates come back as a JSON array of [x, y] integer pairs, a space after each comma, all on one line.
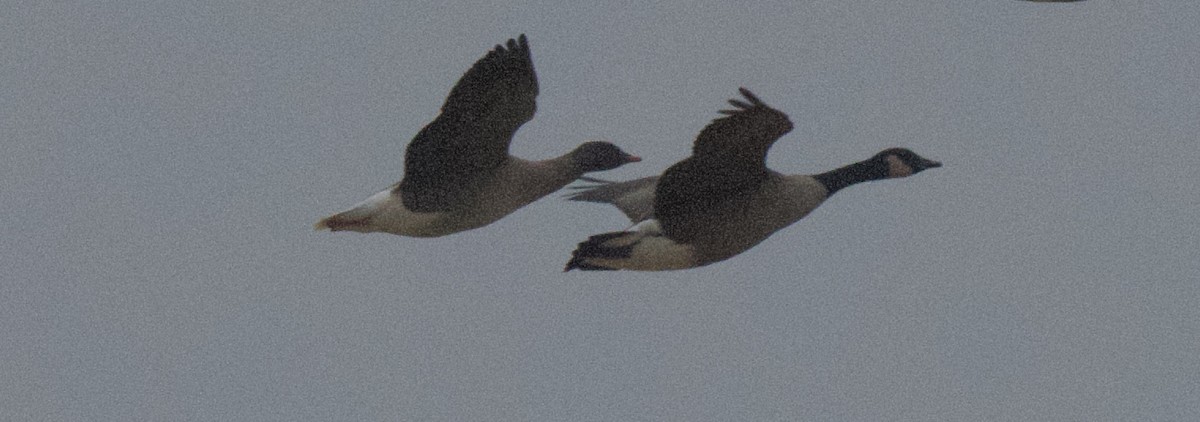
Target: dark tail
[[603, 246], [337, 222]]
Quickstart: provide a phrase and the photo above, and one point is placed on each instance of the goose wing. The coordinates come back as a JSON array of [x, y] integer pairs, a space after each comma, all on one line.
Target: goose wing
[[635, 198], [728, 160], [472, 134]]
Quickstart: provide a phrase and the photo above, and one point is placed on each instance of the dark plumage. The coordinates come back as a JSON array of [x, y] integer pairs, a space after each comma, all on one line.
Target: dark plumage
[[722, 200], [458, 174], [599, 156], [472, 134], [729, 158], [874, 168]]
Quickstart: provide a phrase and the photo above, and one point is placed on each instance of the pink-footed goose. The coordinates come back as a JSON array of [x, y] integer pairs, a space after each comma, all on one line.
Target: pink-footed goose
[[458, 174]]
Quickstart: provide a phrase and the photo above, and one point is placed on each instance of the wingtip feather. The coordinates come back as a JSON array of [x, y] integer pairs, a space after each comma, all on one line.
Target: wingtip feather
[[750, 96], [740, 104]]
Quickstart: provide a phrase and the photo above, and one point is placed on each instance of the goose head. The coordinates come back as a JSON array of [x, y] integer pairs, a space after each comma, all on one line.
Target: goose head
[[598, 156], [902, 162]]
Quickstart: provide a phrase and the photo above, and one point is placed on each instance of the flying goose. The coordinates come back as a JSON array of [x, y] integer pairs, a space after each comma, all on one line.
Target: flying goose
[[457, 172], [723, 199]]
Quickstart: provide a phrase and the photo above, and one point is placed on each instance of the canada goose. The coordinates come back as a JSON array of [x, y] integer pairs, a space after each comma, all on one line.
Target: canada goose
[[723, 199], [457, 171]]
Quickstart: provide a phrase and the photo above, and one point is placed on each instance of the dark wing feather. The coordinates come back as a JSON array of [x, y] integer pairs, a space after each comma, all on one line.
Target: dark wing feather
[[471, 135], [728, 160], [745, 134]]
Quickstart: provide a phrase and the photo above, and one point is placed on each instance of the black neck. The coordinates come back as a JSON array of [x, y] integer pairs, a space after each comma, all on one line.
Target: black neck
[[835, 180]]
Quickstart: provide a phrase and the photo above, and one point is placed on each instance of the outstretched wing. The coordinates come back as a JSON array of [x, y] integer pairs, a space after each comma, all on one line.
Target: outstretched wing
[[745, 134], [635, 197], [728, 160], [472, 133]]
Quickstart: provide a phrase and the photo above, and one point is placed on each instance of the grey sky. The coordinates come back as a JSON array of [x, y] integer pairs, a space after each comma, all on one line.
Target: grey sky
[[165, 162]]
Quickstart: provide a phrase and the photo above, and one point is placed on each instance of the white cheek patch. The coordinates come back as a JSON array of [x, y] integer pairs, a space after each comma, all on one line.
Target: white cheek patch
[[897, 168]]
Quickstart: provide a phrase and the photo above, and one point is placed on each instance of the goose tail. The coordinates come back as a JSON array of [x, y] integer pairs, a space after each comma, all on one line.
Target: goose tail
[[602, 247], [339, 222], [643, 249], [358, 218]]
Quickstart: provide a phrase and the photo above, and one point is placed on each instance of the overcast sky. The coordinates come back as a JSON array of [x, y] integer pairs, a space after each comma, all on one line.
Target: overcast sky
[[164, 163]]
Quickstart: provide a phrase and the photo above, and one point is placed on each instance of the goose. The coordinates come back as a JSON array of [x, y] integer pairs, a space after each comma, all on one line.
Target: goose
[[458, 174], [722, 200]]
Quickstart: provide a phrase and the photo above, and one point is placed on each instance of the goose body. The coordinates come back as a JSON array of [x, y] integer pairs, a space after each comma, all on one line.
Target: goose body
[[458, 174], [731, 228], [515, 184], [716, 208]]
